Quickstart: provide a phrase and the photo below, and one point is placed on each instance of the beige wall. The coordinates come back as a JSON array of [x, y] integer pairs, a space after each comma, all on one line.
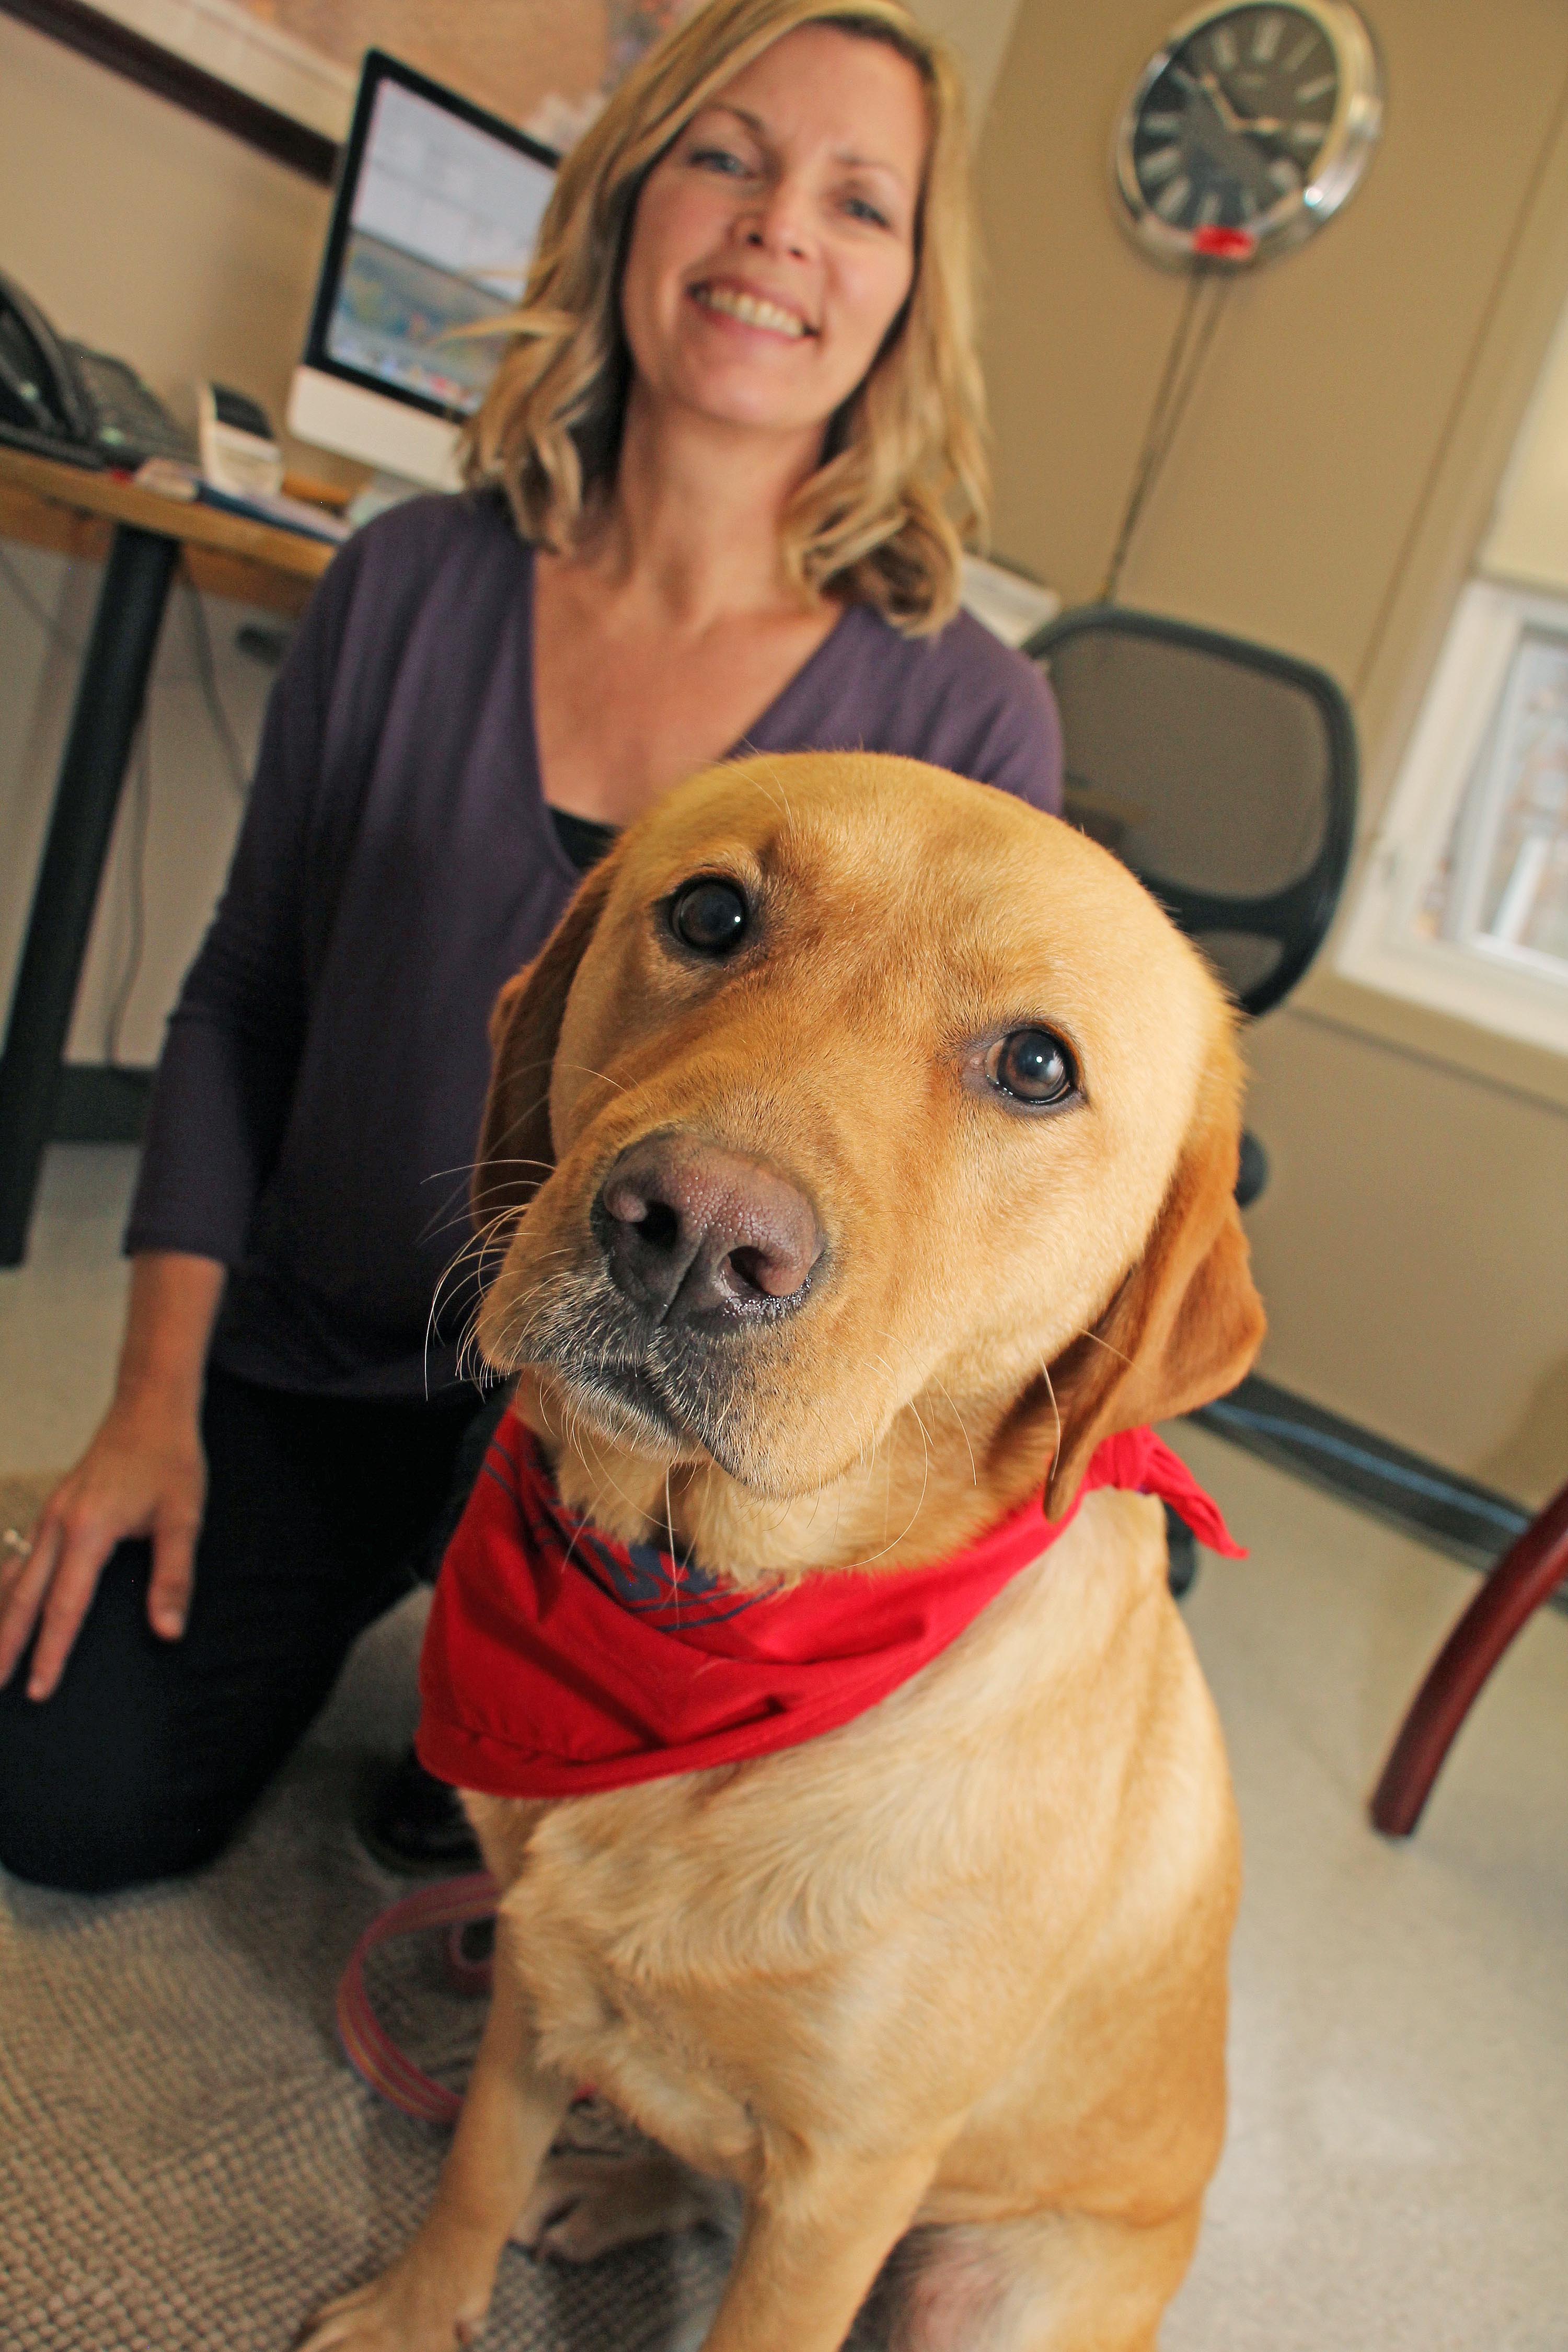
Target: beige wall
[[141, 229], [1331, 482], [1529, 537], [979, 30]]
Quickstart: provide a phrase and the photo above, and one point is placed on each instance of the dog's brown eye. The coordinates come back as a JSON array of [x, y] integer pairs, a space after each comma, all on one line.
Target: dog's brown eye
[[710, 917], [1033, 1066]]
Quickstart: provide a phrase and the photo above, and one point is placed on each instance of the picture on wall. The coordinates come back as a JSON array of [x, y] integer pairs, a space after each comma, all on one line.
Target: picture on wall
[[546, 65]]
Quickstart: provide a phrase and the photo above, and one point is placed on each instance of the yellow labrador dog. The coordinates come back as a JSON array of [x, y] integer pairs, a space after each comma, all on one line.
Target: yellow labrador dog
[[863, 1144]]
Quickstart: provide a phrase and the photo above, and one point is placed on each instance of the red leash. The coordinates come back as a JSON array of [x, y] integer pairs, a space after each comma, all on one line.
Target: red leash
[[370, 2049]]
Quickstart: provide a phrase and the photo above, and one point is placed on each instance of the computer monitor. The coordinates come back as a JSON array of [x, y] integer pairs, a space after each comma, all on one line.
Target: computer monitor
[[437, 207]]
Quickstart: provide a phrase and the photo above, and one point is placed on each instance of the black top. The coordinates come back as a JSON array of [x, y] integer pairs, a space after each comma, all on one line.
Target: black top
[[584, 838], [320, 1095]]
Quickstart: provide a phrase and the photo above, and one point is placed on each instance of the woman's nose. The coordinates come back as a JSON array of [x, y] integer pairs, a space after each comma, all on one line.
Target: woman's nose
[[780, 222]]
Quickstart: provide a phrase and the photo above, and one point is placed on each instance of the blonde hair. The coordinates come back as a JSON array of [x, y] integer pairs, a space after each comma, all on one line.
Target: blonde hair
[[902, 483]]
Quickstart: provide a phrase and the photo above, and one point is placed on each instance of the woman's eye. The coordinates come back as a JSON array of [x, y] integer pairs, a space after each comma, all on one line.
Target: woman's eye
[[861, 208], [710, 917], [720, 159], [1032, 1067]]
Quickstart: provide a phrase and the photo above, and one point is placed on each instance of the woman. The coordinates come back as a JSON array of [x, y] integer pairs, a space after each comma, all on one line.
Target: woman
[[717, 489]]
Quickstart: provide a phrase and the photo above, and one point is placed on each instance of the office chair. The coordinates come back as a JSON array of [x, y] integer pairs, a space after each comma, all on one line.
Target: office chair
[[1222, 772], [1224, 776]]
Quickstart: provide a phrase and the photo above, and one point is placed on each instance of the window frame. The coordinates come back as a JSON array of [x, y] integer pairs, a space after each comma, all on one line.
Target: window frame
[[1381, 947]]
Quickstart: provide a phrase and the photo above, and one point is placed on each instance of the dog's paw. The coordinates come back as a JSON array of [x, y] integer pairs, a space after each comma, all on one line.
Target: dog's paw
[[587, 2201], [410, 2309]]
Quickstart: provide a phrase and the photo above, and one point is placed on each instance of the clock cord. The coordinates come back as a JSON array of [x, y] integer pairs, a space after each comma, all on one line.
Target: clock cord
[[1194, 331]]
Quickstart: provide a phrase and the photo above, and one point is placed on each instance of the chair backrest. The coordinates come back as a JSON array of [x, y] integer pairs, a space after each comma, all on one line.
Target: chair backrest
[[1222, 774]]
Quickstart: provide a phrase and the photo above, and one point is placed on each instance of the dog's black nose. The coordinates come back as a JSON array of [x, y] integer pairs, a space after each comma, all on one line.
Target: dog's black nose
[[691, 1230]]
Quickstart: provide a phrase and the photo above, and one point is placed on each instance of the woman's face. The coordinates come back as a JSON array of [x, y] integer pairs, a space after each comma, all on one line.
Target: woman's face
[[773, 244]]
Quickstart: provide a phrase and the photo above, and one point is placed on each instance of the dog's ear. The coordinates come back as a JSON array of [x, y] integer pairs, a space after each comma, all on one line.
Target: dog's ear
[[1185, 1323], [517, 1152]]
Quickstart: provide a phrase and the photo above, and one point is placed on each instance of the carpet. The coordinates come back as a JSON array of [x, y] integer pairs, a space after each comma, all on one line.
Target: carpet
[[186, 2159]]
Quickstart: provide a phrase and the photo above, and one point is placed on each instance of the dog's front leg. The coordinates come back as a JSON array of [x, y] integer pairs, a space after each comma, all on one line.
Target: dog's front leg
[[434, 2297], [818, 2230]]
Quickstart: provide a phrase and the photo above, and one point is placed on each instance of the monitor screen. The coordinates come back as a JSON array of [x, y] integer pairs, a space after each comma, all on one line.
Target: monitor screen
[[437, 209]]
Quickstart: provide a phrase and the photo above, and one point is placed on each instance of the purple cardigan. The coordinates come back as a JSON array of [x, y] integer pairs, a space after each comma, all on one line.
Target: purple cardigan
[[319, 1092]]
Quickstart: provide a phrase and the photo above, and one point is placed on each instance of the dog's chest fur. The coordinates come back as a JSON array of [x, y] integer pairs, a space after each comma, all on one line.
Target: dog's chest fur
[[791, 1943]]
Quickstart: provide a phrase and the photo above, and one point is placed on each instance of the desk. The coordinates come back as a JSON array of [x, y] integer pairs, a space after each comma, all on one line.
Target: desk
[[142, 541]]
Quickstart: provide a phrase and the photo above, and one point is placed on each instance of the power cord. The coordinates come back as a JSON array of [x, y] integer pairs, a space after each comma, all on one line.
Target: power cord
[[30, 604], [140, 806], [1196, 324], [141, 782], [207, 673], [201, 640]]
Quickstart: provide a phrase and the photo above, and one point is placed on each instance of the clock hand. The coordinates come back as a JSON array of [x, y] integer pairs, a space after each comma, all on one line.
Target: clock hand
[[1214, 90], [1231, 148], [1270, 125]]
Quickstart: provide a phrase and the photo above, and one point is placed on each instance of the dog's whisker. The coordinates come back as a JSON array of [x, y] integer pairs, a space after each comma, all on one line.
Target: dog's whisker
[[1057, 1449], [775, 800], [604, 1077], [474, 1249], [1086, 1334], [466, 1216], [585, 1445], [668, 1510], [973, 1472], [893, 1541], [468, 1168]]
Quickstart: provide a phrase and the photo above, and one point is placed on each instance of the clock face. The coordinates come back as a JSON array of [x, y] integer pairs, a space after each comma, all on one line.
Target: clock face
[[1248, 128]]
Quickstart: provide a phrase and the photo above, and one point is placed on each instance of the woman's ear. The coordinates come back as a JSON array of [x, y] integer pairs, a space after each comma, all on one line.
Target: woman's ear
[[1186, 1322], [516, 1150]]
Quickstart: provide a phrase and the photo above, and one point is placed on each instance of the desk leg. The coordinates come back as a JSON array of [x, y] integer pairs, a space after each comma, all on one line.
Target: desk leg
[[114, 684]]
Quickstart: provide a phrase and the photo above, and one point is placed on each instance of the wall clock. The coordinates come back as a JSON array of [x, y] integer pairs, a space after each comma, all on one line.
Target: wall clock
[[1247, 129]]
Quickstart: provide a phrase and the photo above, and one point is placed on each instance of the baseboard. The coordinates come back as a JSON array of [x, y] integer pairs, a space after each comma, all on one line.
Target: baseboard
[[1452, 1515], [97, 1102]]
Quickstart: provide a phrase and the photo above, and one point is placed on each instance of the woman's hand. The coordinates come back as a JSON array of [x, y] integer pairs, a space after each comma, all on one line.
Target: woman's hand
[[144, 1474]]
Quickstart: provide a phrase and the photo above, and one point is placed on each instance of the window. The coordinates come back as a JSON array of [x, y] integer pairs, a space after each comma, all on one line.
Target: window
[[1465, 906]]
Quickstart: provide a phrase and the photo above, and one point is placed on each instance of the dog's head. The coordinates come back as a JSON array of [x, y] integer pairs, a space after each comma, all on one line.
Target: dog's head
[[844, 1083]]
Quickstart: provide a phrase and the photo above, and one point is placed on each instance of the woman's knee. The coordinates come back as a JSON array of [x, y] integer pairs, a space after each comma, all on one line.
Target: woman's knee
[[96, 1790], [99, 1835]]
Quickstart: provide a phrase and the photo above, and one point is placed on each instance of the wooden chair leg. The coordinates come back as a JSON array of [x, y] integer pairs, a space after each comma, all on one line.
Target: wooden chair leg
[[1527, 1571]]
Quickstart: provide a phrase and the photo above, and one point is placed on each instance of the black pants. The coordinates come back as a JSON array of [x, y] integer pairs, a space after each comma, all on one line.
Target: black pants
[[321, 1514]]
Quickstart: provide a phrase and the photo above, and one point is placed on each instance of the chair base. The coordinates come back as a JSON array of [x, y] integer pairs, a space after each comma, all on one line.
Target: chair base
[[1528, 1573], [1252, 1173]]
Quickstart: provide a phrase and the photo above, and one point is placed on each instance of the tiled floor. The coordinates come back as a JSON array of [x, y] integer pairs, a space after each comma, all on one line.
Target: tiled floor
[[1396, 2178], [60, 1313]]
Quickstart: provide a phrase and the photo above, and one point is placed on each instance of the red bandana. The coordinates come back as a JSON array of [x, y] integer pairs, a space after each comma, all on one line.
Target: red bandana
[[559, 1662]]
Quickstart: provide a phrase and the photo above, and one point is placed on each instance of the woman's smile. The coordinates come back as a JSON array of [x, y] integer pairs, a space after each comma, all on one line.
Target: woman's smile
[[727, 298]]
